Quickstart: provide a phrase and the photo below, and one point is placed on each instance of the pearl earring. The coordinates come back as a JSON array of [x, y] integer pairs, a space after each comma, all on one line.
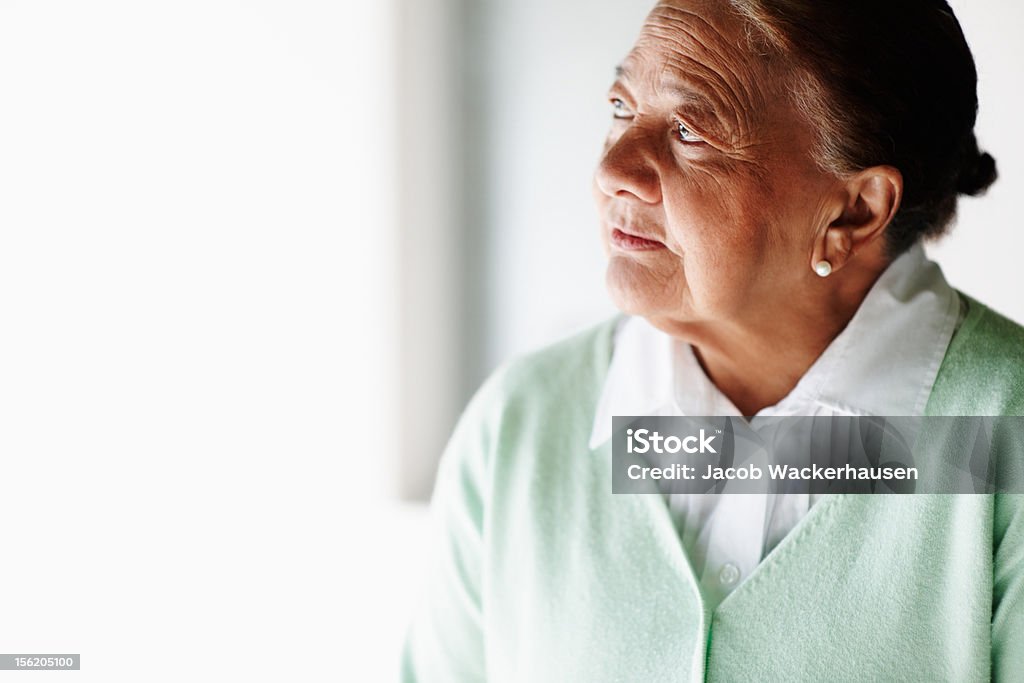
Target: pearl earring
[[823, 268]]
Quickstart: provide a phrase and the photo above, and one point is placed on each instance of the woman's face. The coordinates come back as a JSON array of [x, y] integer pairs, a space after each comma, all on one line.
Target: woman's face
[[710, 163]]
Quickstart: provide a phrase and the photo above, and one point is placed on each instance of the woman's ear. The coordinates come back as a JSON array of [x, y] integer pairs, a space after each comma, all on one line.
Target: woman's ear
[[872, 197]]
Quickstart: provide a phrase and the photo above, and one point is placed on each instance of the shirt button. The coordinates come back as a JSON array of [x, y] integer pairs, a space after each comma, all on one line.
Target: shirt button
[[729, 575]]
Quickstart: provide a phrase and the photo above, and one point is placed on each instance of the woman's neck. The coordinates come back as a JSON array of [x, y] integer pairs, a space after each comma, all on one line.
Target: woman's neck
[[757, 371], [756, 362]]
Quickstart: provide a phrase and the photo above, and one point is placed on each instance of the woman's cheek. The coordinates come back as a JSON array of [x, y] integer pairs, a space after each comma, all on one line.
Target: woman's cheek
[[704, 216]]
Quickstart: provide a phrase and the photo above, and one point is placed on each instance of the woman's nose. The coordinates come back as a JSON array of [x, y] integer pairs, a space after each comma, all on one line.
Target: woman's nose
[[628, 167]]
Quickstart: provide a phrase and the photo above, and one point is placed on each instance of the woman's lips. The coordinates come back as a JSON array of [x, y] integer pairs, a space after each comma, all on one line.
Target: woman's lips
[[627, 242]]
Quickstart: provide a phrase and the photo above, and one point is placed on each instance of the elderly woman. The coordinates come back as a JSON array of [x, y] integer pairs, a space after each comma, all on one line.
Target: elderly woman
[[771, 170]]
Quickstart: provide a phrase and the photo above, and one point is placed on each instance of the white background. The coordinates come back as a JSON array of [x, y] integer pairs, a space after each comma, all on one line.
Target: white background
[[197, 298], [199, 307]]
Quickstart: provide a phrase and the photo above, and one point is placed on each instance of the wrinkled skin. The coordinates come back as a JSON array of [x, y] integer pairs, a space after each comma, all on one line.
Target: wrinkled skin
[[710, 161]]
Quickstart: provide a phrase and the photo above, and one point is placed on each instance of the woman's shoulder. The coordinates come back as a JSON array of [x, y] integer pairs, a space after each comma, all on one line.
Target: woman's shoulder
[[982, 372], [524, 397], [991, 327], [557, 384], [574, 362]]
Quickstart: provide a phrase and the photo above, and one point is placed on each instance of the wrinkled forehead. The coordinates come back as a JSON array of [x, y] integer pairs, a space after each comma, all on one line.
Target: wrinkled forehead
[[700, 43], [695, 24]]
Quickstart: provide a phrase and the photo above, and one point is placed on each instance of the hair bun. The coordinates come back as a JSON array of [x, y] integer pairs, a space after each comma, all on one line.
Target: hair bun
[[976, 175]]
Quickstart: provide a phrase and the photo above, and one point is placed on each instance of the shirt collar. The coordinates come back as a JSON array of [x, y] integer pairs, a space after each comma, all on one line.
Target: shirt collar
[[884, 362]]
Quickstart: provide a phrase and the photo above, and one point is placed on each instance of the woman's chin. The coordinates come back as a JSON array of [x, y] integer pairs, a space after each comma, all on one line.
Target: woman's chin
[[632, 293]]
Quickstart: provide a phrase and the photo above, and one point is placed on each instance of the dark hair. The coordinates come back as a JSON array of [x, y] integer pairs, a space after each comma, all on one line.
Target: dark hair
[[889, 83]]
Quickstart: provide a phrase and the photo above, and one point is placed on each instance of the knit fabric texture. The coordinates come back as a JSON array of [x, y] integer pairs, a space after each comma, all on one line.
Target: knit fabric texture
[[542, 574]]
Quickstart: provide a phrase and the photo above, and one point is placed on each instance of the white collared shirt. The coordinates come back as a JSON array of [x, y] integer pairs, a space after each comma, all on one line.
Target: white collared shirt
[[883, 363]]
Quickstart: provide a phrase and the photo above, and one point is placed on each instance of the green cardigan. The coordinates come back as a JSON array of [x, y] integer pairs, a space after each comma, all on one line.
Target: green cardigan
[[543, 575]]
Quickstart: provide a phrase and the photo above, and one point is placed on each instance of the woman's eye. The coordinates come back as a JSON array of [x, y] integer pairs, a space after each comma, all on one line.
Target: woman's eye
[[685, 134], [619, 110]]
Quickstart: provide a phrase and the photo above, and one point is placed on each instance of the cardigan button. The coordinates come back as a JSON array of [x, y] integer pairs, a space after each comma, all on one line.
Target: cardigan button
[[729, 575]]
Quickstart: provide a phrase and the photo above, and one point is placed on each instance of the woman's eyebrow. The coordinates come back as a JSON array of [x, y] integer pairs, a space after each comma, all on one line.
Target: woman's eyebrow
[[685, 89], [690, 101], [689, 92]]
